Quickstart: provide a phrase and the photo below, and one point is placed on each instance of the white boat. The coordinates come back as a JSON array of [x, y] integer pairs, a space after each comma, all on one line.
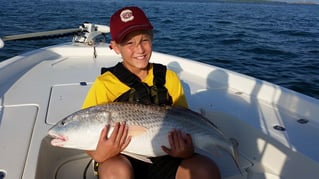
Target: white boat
[[277, 129]]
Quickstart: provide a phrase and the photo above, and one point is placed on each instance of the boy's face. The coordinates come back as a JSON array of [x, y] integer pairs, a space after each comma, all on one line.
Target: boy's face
[[136, 50]]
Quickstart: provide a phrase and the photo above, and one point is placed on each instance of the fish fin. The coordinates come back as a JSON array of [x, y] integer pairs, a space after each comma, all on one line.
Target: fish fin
[[138, 157], [179, 110], [136, 130]]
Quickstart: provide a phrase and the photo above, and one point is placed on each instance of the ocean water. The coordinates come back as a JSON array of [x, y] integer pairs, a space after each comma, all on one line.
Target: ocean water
[[276, 42]]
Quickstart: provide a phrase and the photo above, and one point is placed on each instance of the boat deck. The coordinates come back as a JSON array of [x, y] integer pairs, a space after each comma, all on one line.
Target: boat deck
[[41, 87]]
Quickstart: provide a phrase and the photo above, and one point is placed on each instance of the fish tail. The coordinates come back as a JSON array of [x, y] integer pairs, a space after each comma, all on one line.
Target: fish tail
[[235, 155]]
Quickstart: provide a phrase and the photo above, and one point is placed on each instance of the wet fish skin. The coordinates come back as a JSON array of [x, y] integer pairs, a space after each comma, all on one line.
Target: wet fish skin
[[149, 125]]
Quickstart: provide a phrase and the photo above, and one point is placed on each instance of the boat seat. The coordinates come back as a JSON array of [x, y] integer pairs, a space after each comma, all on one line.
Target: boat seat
[[13, 155]]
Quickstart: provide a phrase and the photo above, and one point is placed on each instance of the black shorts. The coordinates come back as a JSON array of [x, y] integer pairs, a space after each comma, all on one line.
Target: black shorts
[[161, 167]]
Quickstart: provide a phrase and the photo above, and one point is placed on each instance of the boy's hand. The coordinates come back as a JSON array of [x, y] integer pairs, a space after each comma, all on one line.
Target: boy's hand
[[181, 145], [112, 146]]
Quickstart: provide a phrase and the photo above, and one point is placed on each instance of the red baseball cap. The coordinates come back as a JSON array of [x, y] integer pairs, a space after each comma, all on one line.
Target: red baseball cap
[[127, 20]]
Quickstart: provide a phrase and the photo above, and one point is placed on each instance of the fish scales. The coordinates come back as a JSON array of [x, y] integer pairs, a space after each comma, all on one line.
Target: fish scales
[[149, 115], [151, 123], [135, 114]]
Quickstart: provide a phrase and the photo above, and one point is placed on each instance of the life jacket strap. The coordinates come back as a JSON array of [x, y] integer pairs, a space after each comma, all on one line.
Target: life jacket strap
[[140, 92]]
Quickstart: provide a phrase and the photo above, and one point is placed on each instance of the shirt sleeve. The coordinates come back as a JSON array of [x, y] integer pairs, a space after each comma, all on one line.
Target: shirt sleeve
[[96, 94], [175, 89], [105, 89]]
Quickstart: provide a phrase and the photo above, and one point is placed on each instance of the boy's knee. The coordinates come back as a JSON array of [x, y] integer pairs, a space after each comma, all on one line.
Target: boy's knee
[[208, 169], [116, 167], [200, 167]]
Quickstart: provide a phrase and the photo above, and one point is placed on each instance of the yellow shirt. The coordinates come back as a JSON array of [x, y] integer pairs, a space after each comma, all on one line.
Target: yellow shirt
[[107, 87]]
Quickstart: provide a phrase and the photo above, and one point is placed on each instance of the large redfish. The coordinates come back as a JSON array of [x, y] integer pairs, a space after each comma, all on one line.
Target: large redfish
[[148, 125]]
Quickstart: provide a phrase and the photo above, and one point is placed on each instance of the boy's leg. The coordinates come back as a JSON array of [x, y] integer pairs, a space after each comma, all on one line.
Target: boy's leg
[[116, 167], [198, 166]]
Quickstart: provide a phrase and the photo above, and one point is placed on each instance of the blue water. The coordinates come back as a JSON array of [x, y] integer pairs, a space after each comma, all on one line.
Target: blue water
[[276, 42]]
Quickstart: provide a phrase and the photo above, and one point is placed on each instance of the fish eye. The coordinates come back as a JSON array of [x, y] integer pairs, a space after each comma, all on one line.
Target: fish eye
[[63, 123]]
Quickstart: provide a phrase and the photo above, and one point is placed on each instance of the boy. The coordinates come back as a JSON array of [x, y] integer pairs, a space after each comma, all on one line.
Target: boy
[[137, 80]]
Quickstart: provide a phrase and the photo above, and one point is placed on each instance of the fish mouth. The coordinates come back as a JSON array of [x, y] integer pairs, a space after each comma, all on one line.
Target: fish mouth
[[57, 140]]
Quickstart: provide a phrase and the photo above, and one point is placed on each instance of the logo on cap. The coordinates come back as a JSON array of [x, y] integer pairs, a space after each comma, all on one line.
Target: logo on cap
[[126, 15]]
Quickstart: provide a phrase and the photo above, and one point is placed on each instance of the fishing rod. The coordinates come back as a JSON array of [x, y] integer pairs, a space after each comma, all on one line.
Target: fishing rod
[[39, 35], [81, 31]]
